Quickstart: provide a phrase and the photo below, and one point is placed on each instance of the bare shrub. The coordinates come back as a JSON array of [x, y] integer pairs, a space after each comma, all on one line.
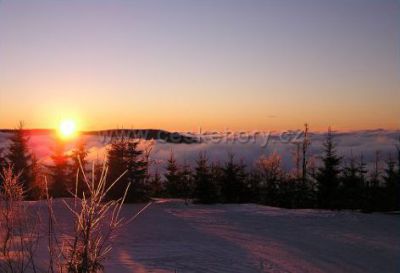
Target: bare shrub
[[19, 231], [96, 221]]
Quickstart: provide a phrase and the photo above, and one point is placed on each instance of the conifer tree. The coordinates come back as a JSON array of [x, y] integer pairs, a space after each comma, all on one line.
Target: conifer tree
[[373, 189], [328, 174], [363, 171], [352, 184], [391, 185], [125, 156], [205, 186], [116, 154], [302, 193], [398, 158], [271, 175], [376, 172], [60, 172], [156, 184], [296, 160], [186, 177], [233, 181], [172, 177], [19, 157], [38, 189], [136, 174], [305, 145]]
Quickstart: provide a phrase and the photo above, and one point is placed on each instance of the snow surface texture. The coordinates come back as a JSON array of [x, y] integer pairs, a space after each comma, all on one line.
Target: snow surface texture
[[171, 236]]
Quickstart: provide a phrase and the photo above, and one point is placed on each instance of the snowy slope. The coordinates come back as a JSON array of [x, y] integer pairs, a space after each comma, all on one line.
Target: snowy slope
[[250, 238]]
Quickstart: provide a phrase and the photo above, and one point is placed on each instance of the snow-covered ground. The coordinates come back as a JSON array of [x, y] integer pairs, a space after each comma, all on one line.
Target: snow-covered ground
[[171, 236]]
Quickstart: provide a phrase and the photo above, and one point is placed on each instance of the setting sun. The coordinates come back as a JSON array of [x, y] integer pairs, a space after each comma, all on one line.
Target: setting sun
[[67, 128]]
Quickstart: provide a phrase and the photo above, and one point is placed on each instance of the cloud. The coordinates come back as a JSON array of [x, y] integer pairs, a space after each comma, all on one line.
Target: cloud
[[357, 143]]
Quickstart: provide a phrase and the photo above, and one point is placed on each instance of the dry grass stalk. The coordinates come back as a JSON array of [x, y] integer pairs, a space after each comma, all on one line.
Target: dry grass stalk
[[96, 221], [19, 232]]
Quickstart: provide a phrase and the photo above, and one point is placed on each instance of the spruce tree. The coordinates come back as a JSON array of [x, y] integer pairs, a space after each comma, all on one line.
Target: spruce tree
[[125, 157], [363, 171], [391, 184], [186, 177], [38, 190], [19, 157], [373, 189], [233, 181], [60, 172], [398, 158], [116, 164], [303, 196], [271, 175], [398, 175], [172, 177], [375, 179], [156, 184], [328, 174], [305, 145], [297, 159], [205, 186], [136, 175], [352, 185]]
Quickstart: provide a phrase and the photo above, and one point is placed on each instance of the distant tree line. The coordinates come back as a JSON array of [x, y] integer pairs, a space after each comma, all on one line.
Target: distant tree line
[[334, 183], [329, 181]]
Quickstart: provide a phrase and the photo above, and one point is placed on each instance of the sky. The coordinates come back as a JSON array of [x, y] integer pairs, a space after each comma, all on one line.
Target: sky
[[215, 64]]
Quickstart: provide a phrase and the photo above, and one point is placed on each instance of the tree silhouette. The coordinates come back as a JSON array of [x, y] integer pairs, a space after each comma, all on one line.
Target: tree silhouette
[[156, 184], [116, 154], [305, 144], [19, 157], [186, 177], [233, 181], [60, 172], [125, 156], [328, 174], [398, 157], [352, 184], [205, 186], [172, 177], [136, 163], [391, 184], [270, 172], [38, 190]]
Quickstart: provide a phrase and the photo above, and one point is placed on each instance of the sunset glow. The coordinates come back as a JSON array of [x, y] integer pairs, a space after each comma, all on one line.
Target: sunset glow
[[67, 128]]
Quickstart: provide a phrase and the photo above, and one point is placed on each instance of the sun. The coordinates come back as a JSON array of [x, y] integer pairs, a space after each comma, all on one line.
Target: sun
[[67, 128]]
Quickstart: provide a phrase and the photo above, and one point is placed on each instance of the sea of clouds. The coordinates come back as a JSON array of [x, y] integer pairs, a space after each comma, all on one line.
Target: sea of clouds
[[217, 146]]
